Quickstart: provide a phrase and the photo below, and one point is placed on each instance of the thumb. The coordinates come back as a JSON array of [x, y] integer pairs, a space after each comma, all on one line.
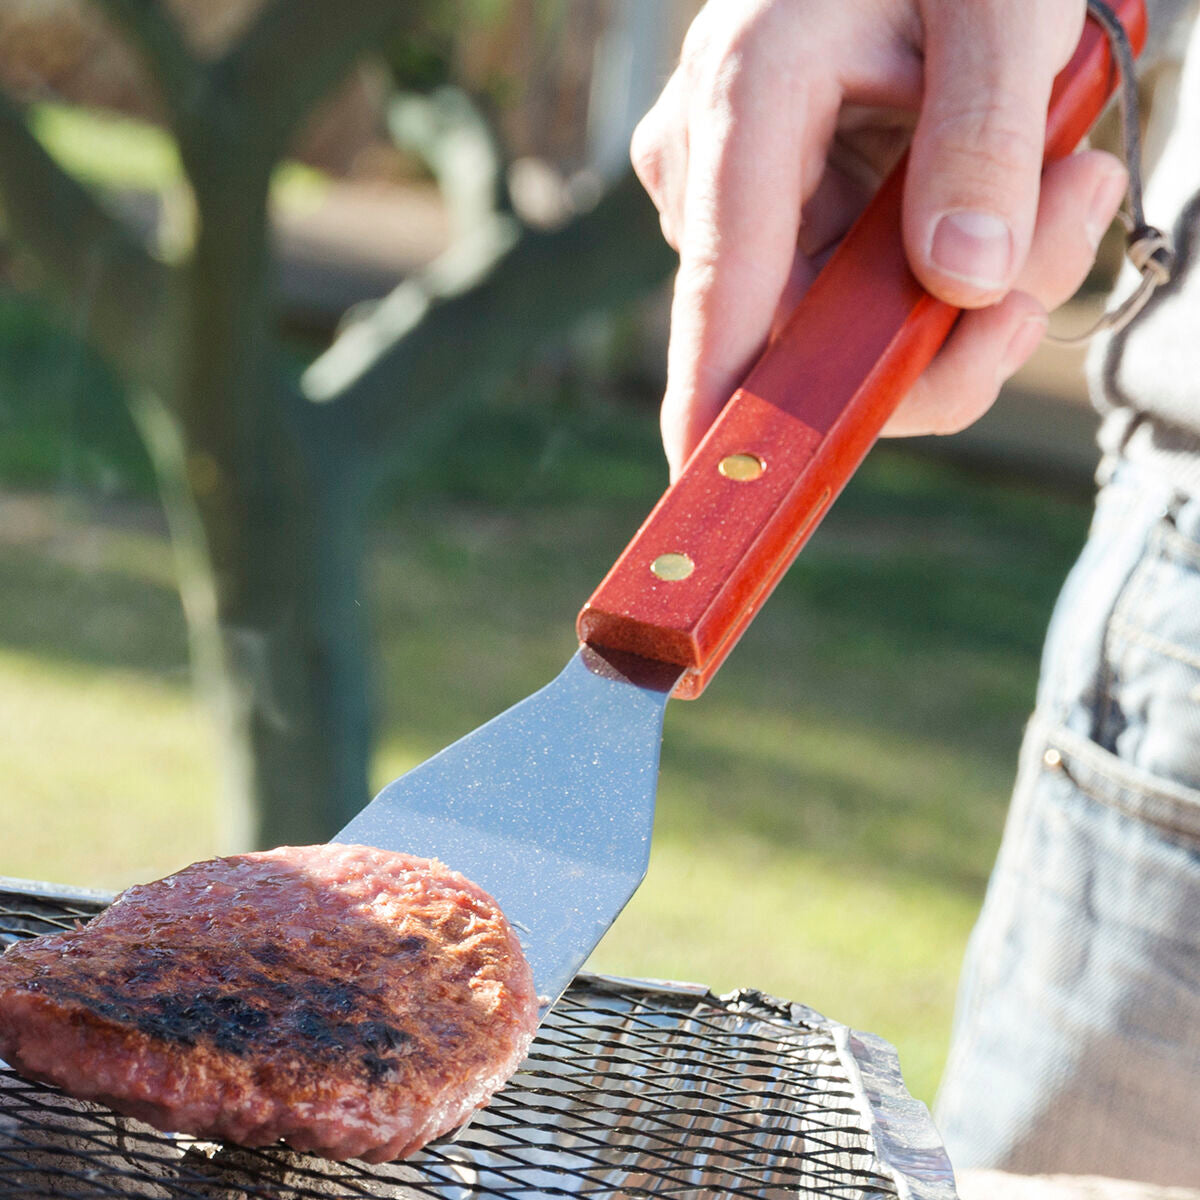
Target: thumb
[[973, 177]]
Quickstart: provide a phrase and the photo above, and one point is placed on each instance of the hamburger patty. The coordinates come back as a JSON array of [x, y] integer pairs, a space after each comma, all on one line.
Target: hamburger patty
[[354, 1002]]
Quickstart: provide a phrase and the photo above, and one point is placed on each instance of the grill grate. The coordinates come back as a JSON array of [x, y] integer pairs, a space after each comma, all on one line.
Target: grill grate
[[631, 1089]]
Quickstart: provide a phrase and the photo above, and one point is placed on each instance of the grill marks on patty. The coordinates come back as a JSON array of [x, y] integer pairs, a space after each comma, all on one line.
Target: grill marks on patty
[[335, 1022], [351, 1001]]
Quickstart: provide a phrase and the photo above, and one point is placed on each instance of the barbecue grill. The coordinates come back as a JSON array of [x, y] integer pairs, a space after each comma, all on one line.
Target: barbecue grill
[[632, 1088]]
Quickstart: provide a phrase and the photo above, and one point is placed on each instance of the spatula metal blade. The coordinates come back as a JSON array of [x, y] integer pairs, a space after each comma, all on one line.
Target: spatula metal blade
[[548, 807]]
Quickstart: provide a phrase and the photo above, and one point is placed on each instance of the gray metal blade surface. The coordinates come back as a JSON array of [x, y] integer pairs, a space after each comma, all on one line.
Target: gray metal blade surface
[[548, 807]]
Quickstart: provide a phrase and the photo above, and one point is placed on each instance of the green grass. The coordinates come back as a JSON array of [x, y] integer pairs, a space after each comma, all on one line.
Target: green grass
[[107, 762], [828, 810]]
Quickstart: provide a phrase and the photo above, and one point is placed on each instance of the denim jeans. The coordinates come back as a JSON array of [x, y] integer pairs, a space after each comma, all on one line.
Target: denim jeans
[[1076, 1043]]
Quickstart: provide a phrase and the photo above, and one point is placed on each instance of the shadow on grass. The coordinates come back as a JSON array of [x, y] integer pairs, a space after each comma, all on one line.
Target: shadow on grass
[[872, 713], [79, 609]]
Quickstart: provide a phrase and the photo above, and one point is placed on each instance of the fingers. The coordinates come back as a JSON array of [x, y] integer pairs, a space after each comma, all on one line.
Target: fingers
[[972, 191], [659, 153], [962, 383], [1080, 196], [738, 143], [754, 137]]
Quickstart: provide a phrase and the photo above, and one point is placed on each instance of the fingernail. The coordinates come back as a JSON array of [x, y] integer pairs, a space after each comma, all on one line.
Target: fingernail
[[976, 247], [1024, 342], [1107, 196]]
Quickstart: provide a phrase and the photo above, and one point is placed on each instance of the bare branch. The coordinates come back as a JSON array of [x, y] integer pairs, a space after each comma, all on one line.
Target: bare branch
[[294, 54], [442, 338], [85, 252], [449, 133], [165, 50]]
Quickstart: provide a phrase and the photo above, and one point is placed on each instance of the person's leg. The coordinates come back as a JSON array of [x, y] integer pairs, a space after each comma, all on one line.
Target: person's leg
[[1077, 1039]]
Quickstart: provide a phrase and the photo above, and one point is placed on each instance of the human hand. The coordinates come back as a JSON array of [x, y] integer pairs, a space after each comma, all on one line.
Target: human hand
[[783, 117]]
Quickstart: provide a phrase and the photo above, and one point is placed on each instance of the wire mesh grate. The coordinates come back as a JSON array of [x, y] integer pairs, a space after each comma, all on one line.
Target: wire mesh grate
[[630, 1090]]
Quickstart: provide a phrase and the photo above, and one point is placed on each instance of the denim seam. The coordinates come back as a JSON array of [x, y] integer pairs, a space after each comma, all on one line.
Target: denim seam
[[1181, 545], [1135, 586], [1152, 641], [1171, 807]]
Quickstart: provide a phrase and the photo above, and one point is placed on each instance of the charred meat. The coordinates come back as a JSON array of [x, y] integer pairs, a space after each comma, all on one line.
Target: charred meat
[[354, 1002]]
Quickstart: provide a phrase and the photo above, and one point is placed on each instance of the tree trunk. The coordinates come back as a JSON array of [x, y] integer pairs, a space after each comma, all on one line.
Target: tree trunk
[[284, 671], [276, 526], [296, 673]]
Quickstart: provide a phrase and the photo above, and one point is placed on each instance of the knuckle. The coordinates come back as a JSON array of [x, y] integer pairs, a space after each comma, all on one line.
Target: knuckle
[[721, 63], [717, 85], [695, 41], [645, 150], [990, 138], [698, 270]]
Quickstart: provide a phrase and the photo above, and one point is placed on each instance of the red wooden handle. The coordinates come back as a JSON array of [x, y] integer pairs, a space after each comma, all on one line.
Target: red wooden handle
[[790, 437]]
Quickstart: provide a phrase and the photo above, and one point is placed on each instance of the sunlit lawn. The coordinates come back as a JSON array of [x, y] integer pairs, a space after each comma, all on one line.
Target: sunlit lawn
[[828, 810]]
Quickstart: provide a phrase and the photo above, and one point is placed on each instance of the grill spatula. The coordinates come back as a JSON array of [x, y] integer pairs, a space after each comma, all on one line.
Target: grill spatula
[[549, 806]]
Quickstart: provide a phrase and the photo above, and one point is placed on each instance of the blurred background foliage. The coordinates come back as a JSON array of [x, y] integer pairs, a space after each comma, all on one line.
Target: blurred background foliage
[[828, 811]]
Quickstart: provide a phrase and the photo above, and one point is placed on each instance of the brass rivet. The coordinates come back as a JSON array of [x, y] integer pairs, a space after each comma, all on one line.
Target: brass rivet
[[1052, 759], [672, 567], [742, 467]]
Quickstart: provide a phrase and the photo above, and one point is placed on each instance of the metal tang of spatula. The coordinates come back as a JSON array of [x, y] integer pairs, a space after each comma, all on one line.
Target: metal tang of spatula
[[550, 805]]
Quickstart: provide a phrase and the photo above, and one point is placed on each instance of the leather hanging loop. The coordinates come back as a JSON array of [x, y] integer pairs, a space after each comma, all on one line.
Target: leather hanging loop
[[1146, 247]]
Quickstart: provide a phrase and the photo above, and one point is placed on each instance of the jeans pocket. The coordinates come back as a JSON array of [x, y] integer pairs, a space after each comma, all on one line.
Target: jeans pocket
[[1078, 770], [1151, 716], [1105, 854], [1077, 1043]]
